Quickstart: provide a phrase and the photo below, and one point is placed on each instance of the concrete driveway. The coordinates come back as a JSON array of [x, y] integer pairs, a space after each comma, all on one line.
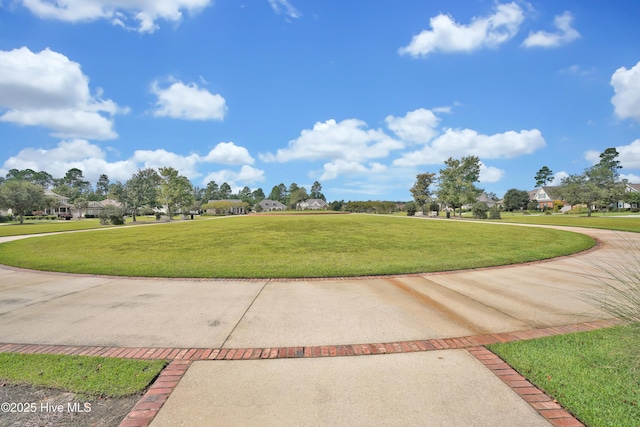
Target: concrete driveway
[[434, 388]]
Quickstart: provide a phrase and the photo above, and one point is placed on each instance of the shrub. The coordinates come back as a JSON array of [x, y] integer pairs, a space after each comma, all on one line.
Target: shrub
[[494, 213], [410, 207], [112, 215], [480, 210]]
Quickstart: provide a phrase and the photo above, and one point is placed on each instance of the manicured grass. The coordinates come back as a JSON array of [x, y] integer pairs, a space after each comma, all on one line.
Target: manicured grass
[[594, 375], [41, 227], [291, 246], [94, 376], [609, 221]]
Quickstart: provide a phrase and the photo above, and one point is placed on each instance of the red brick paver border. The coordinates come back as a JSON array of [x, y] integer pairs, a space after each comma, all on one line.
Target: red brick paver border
[[181, 358]]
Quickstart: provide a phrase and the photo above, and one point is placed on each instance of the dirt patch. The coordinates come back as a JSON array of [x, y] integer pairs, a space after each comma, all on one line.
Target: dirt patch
[[27, 406]]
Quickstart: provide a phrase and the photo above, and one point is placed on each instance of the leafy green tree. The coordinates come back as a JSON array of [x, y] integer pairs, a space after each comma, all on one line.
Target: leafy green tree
[[175, 191], [20, 196], [225, 191], [73, 185], [257, 196], [212, 192], [605, 176], [336, 205], [515, 199], [316, 191], [456, 182], [80, 205], [102, 186], [245, 195], [494, 213], [139, 191], [410, 208], [299, 195], [421, 191], [280, 193], [480, 210], [544, 176], [578, 189], [112, 215]]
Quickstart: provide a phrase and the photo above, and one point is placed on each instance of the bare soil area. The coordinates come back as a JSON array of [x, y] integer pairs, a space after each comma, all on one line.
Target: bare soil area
[[26, 406]]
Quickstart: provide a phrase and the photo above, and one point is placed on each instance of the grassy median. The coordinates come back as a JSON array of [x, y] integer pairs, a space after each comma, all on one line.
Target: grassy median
[[291, 246], [594, 375], [93, 376]]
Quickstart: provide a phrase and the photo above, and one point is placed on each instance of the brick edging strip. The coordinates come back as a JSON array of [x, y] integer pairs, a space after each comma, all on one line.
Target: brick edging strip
[[194, 354], [546, 406], [181, 358]]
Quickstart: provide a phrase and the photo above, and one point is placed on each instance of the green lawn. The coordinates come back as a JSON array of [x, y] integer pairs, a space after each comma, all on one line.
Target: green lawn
[[41, 227], [93, 376], [609, 221], [594, 375], [291, 246]]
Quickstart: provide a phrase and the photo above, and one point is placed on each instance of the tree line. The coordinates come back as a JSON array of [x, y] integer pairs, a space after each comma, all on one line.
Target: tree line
[[598, 187], [23, 191]]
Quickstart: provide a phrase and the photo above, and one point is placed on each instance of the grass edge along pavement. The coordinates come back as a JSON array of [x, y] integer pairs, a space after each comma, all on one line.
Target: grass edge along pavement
[[261, 247], [181, 358], [86, 375], [593, 374]]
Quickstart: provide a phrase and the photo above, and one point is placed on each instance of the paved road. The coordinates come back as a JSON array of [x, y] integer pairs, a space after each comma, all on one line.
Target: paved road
[[434, 388]]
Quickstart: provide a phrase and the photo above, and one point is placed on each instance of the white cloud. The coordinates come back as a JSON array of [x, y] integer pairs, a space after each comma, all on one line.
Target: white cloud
[[558, 177], [229, 153], [189, 102], [632, 178], [416, 126], [446, 35], [347, 140], [565, 35], [489, 174], [47, 89], [284, 7], [246, 176], [630, 155], [464, 142], [343, 167], [77, 153], [118, 12], [626, 84], [92, 160], [186, 165], [576, 70]]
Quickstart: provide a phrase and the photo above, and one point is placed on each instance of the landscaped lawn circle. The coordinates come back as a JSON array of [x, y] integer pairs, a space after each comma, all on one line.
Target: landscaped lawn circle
[[291, 247]]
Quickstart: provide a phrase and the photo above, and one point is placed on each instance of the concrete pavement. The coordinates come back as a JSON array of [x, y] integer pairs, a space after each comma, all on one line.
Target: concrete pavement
[[446, 387]]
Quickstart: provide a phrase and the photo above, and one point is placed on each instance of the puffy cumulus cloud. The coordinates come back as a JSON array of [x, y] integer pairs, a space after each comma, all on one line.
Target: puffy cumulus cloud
[[186, 165], [229, 153], [629, 155], [565, 34], [77, 153], [416, 126], [118, 12], [92, 160], [284, 7], [343, 167], [558, 177], [464, 142], [188, 101], [489, 174], [347, 140], [446, 35], [236, 179], [626, 84], [632, 178], [48, 89]]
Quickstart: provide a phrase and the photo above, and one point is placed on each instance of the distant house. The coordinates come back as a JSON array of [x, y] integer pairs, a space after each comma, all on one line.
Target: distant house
[[631, 188], [227, 207], [268, 205], [313, 204], [63, 208], [94, 208], [544, 196]]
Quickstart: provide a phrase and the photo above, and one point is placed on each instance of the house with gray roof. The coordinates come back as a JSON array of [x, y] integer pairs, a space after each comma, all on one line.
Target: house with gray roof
[[268, 205]]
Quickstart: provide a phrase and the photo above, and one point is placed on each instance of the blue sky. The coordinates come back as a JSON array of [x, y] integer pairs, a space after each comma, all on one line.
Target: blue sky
[[359, 95]]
